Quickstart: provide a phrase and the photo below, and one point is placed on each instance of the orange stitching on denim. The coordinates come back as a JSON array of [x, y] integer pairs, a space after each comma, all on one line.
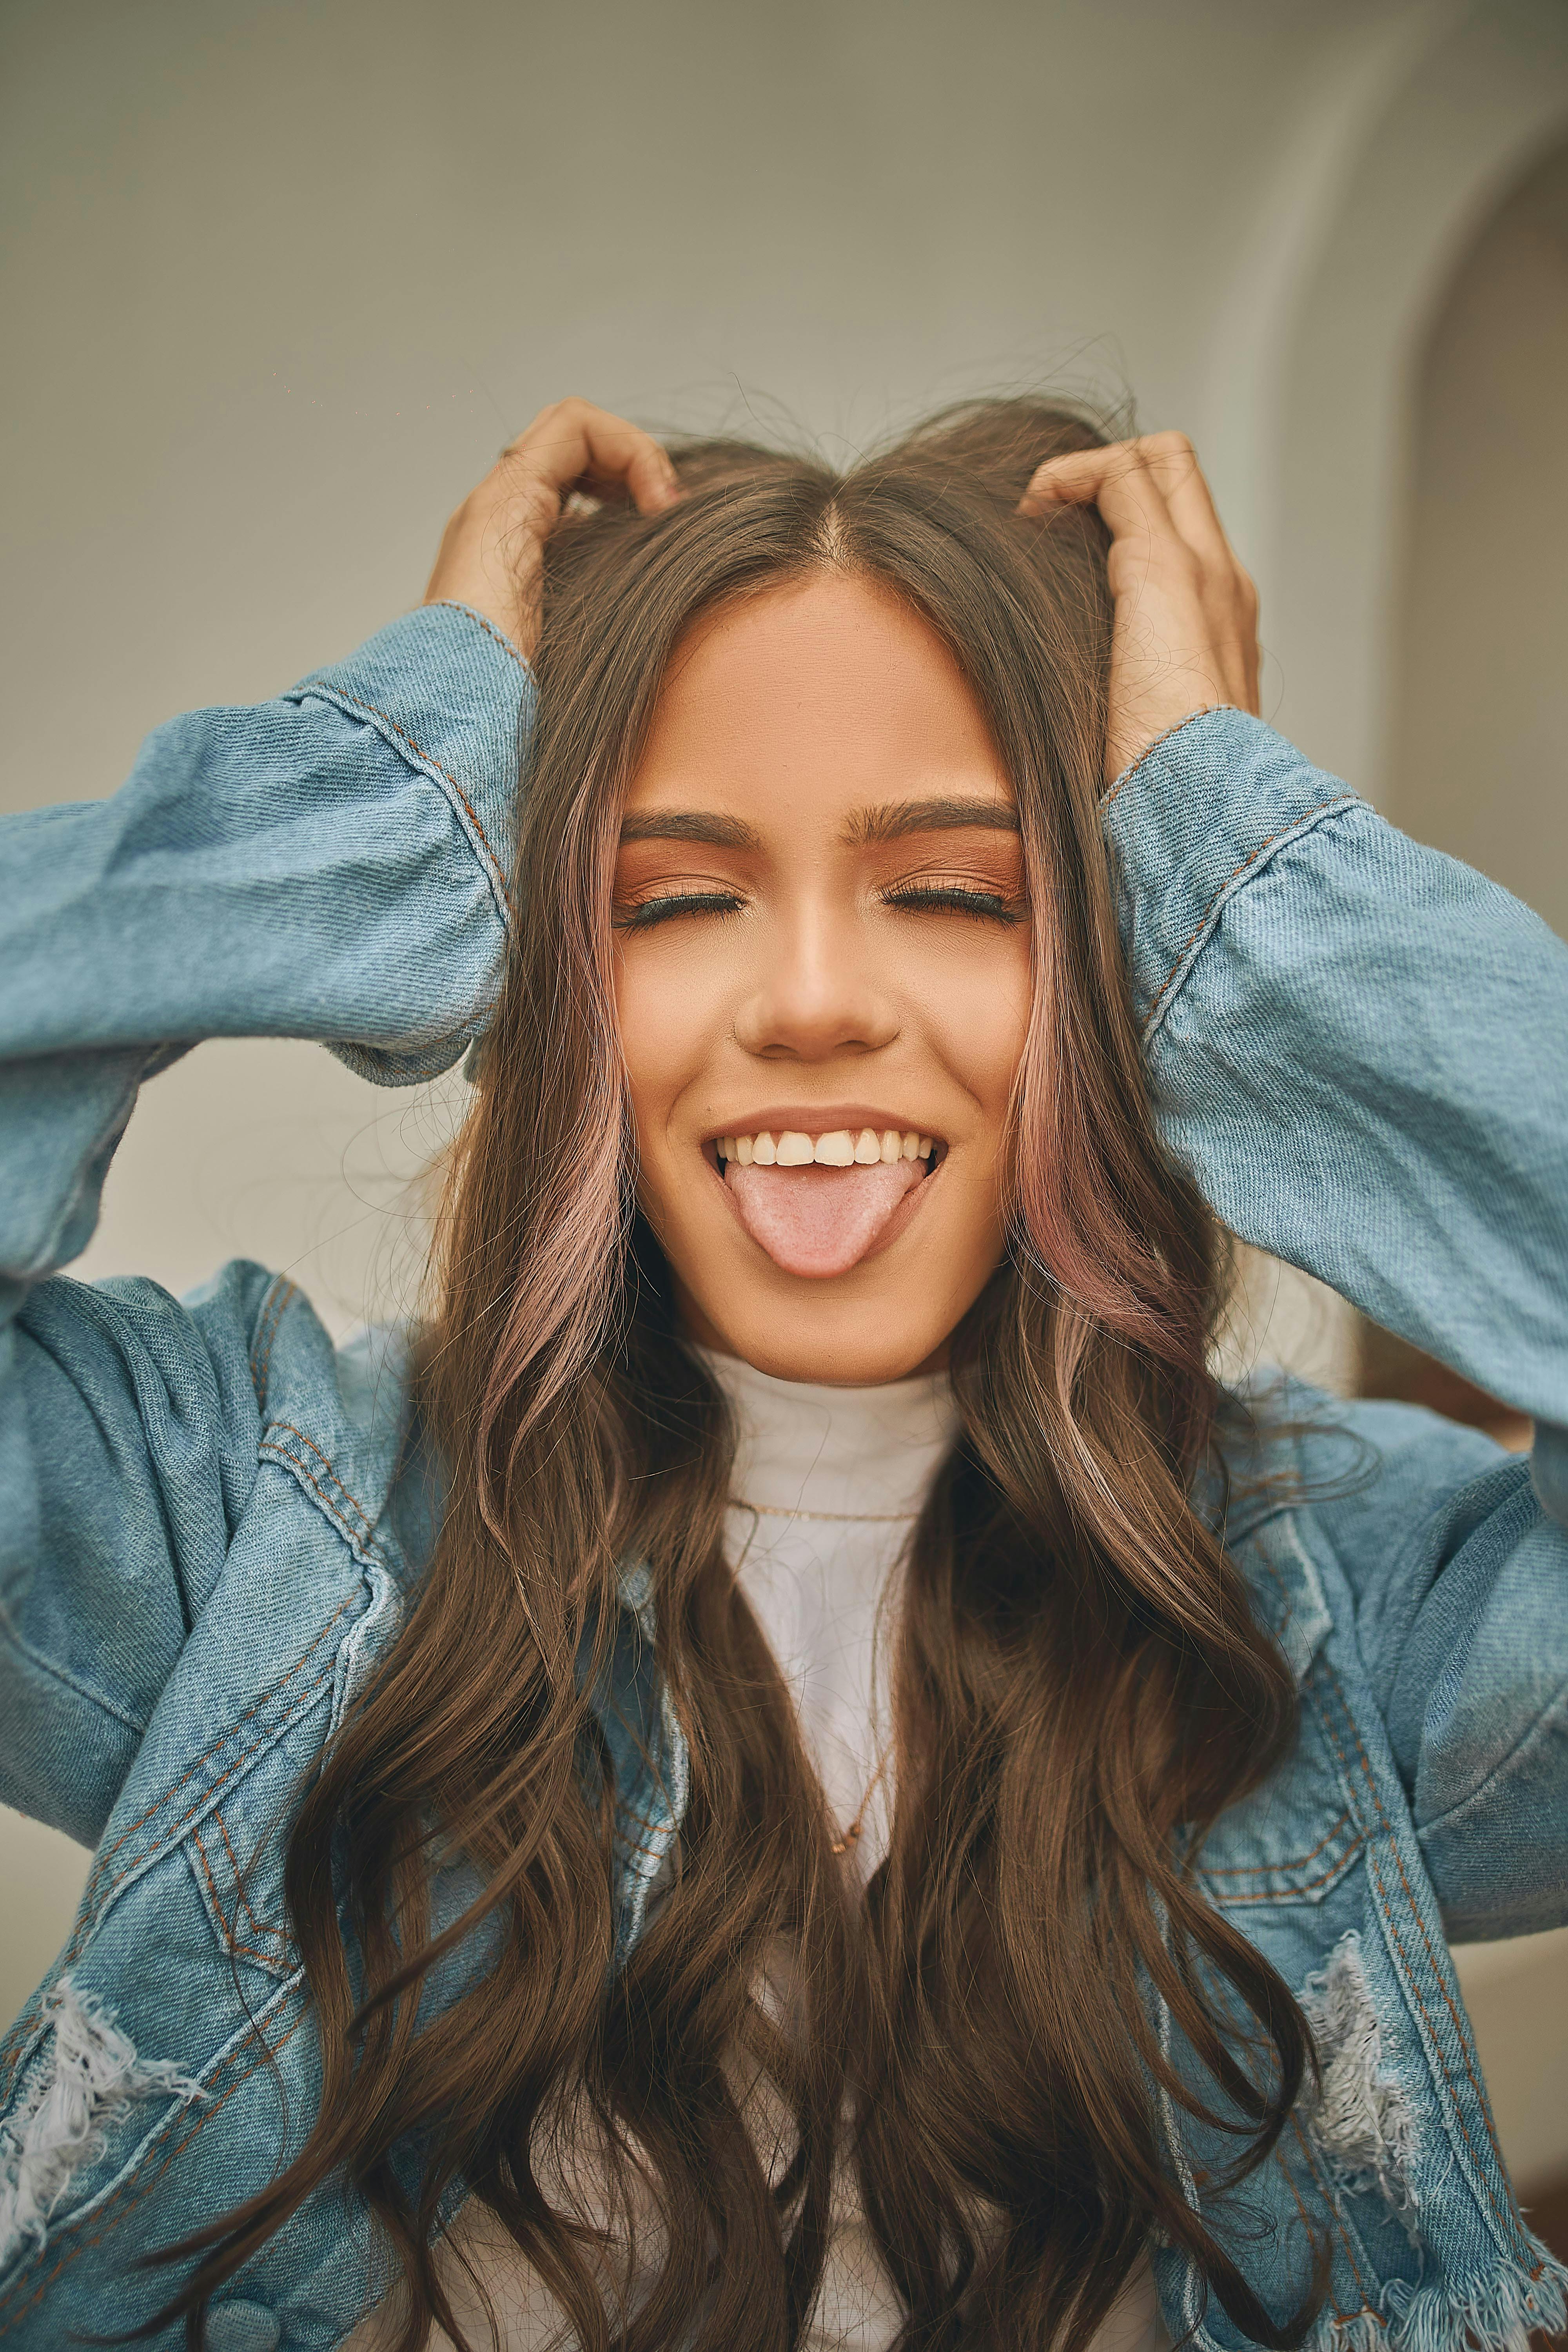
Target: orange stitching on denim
[[1204, 710], [1257, 1869], [228, 1928], [403, 736], [232, 1860], [203, 2116], [325, 1460], [207, 1795], [1337, 800], [489, 629], [254, 1708], [645, 1821], [648, 1852], [1307, 1885], [226, 1931], [271, 1321], [281, 1455], [262, 1926], [92, 1893], [10, 2049]]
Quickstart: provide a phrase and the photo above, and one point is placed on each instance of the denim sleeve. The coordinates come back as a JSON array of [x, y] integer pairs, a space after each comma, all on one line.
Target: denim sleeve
[[332, 865], [1359, 1049]]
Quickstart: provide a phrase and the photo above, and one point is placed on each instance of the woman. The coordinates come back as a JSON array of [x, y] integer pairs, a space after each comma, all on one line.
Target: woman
[[787, 1769]]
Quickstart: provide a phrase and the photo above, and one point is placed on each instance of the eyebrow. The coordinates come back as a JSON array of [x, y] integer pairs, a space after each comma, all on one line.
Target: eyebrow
[[690, 824], [894, 819]]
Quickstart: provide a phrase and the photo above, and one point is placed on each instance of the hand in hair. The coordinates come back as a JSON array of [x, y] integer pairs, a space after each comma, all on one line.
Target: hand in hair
[[491, 553], [1185, 633]]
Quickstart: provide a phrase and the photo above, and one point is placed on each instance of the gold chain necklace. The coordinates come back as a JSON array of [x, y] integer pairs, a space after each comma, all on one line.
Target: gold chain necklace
[[853, 1831]]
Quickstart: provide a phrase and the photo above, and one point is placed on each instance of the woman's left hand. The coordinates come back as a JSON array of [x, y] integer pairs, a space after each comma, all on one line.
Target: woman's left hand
[[1186, 630]]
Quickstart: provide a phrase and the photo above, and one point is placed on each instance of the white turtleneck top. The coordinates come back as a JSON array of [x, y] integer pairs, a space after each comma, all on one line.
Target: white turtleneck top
[[827, 1485]]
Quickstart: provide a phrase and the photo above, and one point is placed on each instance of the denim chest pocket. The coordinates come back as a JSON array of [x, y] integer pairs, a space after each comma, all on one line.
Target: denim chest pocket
[[1294, 1839]]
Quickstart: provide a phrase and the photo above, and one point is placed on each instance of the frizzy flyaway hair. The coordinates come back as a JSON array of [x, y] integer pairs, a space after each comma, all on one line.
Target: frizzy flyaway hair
[[1034, 1996]]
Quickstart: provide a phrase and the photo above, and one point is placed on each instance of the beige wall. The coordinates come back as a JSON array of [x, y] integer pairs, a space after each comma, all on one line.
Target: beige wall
[[1479, 755], [278, 279]]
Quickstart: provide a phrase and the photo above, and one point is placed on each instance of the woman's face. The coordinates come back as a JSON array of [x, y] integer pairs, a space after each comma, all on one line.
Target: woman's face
[[822, 956]]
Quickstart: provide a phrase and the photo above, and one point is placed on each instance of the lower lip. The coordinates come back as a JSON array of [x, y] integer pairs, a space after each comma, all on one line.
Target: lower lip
[[897, 1225]]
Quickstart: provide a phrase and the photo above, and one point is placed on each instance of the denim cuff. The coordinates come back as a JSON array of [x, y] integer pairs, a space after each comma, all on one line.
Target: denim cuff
[[456, 699], [1191, 822]]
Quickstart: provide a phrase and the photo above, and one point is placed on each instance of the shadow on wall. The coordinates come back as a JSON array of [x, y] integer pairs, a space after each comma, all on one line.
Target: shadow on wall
[[1479, 713]]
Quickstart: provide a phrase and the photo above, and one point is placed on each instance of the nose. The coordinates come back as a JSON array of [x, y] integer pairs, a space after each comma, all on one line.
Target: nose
[[816, 993]]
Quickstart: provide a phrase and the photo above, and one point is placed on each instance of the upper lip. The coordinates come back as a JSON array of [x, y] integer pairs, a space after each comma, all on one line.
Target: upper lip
[[820, 1118]]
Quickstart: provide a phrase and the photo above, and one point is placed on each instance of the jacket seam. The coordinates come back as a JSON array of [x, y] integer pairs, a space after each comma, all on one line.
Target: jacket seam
[[172, 1829], [1203, 710], [1322, 2188], [365, 1534], [44, 1260], [255, 1708], [1555, 1707], [1336, 1869], [472, 613], [95, 1896], [262, 1926], [63, 1675], [1296, 824], [320, 686], [269, 1322], [229, 1928], [1260, 1869]]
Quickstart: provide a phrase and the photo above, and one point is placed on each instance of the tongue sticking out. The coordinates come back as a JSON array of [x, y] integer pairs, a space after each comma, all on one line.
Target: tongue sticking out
[[820, 1221]]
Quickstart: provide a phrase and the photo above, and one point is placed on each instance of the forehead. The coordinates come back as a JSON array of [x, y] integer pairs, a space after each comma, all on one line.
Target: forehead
[[819, 695]]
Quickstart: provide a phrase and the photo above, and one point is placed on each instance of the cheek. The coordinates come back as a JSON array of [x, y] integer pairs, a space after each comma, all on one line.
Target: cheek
[[669, 1013], [976, 1007]]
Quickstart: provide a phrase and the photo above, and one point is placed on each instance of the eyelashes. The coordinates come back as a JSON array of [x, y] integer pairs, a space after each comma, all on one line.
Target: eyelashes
[[956, 898], [910, 897], [650, 912]]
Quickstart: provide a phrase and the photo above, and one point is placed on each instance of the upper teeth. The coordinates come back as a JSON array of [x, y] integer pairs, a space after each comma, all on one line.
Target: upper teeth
[[839, 1148]]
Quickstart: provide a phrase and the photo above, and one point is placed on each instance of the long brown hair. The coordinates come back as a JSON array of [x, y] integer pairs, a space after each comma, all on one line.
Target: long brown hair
[[1079, 1688]]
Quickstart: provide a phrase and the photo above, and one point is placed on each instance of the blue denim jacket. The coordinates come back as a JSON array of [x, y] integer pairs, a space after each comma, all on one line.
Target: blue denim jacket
[[203, 1544]]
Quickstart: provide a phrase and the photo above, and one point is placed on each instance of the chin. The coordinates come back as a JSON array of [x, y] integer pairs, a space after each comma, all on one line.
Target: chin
[[837, 1344]]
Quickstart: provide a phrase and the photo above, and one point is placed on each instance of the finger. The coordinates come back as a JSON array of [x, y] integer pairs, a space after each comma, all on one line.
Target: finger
[[575, 441], [1078, 478], [1119, 481], [1174, 463]]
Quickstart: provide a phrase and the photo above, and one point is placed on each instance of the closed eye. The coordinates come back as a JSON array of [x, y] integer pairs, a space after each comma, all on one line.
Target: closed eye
[[936, 897], [648, 913]]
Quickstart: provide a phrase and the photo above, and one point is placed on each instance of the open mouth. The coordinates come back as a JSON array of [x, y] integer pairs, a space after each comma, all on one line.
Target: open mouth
[[821, 1202]]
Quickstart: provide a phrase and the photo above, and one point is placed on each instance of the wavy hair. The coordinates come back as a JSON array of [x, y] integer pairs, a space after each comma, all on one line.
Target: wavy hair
[[1033, 1999]]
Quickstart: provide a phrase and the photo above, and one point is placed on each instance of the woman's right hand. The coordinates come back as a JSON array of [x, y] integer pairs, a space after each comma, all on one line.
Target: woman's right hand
[[492, 552]]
